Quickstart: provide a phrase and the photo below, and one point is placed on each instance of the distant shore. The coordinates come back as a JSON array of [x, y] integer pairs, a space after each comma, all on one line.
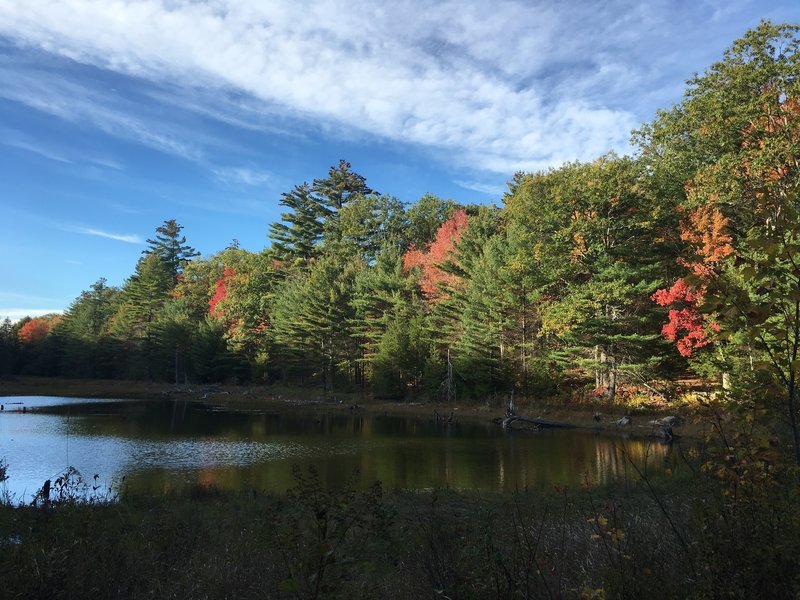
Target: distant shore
[[286, 398]]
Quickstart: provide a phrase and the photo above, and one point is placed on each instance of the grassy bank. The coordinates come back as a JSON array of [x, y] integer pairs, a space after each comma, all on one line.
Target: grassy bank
[[699, 537]]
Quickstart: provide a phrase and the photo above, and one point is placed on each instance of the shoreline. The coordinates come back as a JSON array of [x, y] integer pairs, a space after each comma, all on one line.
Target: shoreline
[[296, 398]]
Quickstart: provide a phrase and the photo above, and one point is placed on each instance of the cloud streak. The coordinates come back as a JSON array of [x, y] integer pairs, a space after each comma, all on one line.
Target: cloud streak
[[120, 237], [494, 190], [242, 175]]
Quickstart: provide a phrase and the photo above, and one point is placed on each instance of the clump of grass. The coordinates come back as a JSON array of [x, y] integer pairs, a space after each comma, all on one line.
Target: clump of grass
[[5, 498]]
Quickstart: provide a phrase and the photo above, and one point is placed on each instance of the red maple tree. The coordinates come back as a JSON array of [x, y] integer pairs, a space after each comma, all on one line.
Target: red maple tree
[[706, 232], [35, 330], [433, 278], [220, 293], [686, 326]]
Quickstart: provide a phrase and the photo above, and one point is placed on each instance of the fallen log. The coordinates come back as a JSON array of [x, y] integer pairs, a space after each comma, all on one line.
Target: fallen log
[[537, 422]]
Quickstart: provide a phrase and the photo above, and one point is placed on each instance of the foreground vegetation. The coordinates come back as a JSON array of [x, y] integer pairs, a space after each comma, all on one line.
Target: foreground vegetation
[[727, 526]]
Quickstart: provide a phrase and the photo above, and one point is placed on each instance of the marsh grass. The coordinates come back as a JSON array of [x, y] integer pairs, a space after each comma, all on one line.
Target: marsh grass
[[728, 527], [590, 542]]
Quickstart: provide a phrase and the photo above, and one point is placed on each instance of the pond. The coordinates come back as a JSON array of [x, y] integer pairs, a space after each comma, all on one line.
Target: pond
[[165, 445]]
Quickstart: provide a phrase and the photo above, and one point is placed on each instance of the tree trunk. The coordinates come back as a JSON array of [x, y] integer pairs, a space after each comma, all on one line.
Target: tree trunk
[[726, 381], [612, 380], [792, 384]]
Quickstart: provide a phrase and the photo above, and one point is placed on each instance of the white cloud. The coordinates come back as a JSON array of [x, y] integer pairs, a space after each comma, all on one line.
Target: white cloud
[[491, 85], [15, 314], [52, 152], [120, 237], [242, 175], [490, 189]]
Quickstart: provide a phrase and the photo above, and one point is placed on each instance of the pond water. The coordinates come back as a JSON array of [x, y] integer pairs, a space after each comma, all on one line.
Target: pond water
[[164, 445]]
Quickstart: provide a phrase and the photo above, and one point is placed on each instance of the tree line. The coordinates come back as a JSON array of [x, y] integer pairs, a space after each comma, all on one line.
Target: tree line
[[621, 271]]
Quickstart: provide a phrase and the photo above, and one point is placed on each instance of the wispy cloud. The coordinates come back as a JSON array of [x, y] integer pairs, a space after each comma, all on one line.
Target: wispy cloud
[[17, 298], [242, 175], [120, 237], [489, 85], [55, 152], [36, 149], [123, 208], [56, 95], [494, 190], [10, 303]]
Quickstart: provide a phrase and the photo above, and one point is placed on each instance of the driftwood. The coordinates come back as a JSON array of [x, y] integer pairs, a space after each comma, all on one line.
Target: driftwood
[[509, 421], [670, 421], [511, 417]]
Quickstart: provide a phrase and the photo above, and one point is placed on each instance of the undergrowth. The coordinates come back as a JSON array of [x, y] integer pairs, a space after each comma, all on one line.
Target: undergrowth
[[729, 526]]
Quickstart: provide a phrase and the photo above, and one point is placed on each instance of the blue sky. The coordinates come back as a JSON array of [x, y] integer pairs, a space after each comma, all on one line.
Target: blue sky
[[117, 115]]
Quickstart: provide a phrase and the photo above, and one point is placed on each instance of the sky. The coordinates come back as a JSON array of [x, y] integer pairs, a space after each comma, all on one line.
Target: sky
[[118, 115]]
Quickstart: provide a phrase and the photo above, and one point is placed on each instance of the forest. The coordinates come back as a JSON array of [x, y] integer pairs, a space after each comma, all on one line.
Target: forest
[[609, 279]]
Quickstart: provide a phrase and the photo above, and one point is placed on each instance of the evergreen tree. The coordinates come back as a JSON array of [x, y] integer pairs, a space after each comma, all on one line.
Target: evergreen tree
[[296, 239], [171, 248], [312, 320], [425, 217], [134, 324], [8, 348], [391, 326], [86, 349]]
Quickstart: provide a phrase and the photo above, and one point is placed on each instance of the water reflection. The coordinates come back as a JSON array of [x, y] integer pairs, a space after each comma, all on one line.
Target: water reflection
[[164, 445]]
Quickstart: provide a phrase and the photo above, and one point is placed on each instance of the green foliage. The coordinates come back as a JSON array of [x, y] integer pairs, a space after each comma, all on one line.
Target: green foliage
[[327, 537], [425, 217], [735, 139], [312, 323], [9, 348], [85, 346], [295, 240]]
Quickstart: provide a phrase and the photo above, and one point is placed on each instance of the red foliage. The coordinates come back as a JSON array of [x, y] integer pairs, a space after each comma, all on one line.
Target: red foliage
[[687, 320], [34, 331], [433, 278], [706, 230], [220, 293]]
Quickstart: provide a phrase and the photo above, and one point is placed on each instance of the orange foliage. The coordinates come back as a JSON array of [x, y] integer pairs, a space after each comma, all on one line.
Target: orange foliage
[[707, 232], [35, 330], [433, 278]]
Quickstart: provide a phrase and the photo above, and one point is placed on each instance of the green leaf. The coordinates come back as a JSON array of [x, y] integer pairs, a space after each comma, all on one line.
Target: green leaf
[[748, 273]]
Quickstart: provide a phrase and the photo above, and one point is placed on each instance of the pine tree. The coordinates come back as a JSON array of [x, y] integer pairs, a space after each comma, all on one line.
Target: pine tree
[[171, 248], [296, 240]]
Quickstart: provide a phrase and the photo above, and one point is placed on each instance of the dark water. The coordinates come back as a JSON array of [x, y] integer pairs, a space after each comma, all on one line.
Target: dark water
[[163, 445]]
